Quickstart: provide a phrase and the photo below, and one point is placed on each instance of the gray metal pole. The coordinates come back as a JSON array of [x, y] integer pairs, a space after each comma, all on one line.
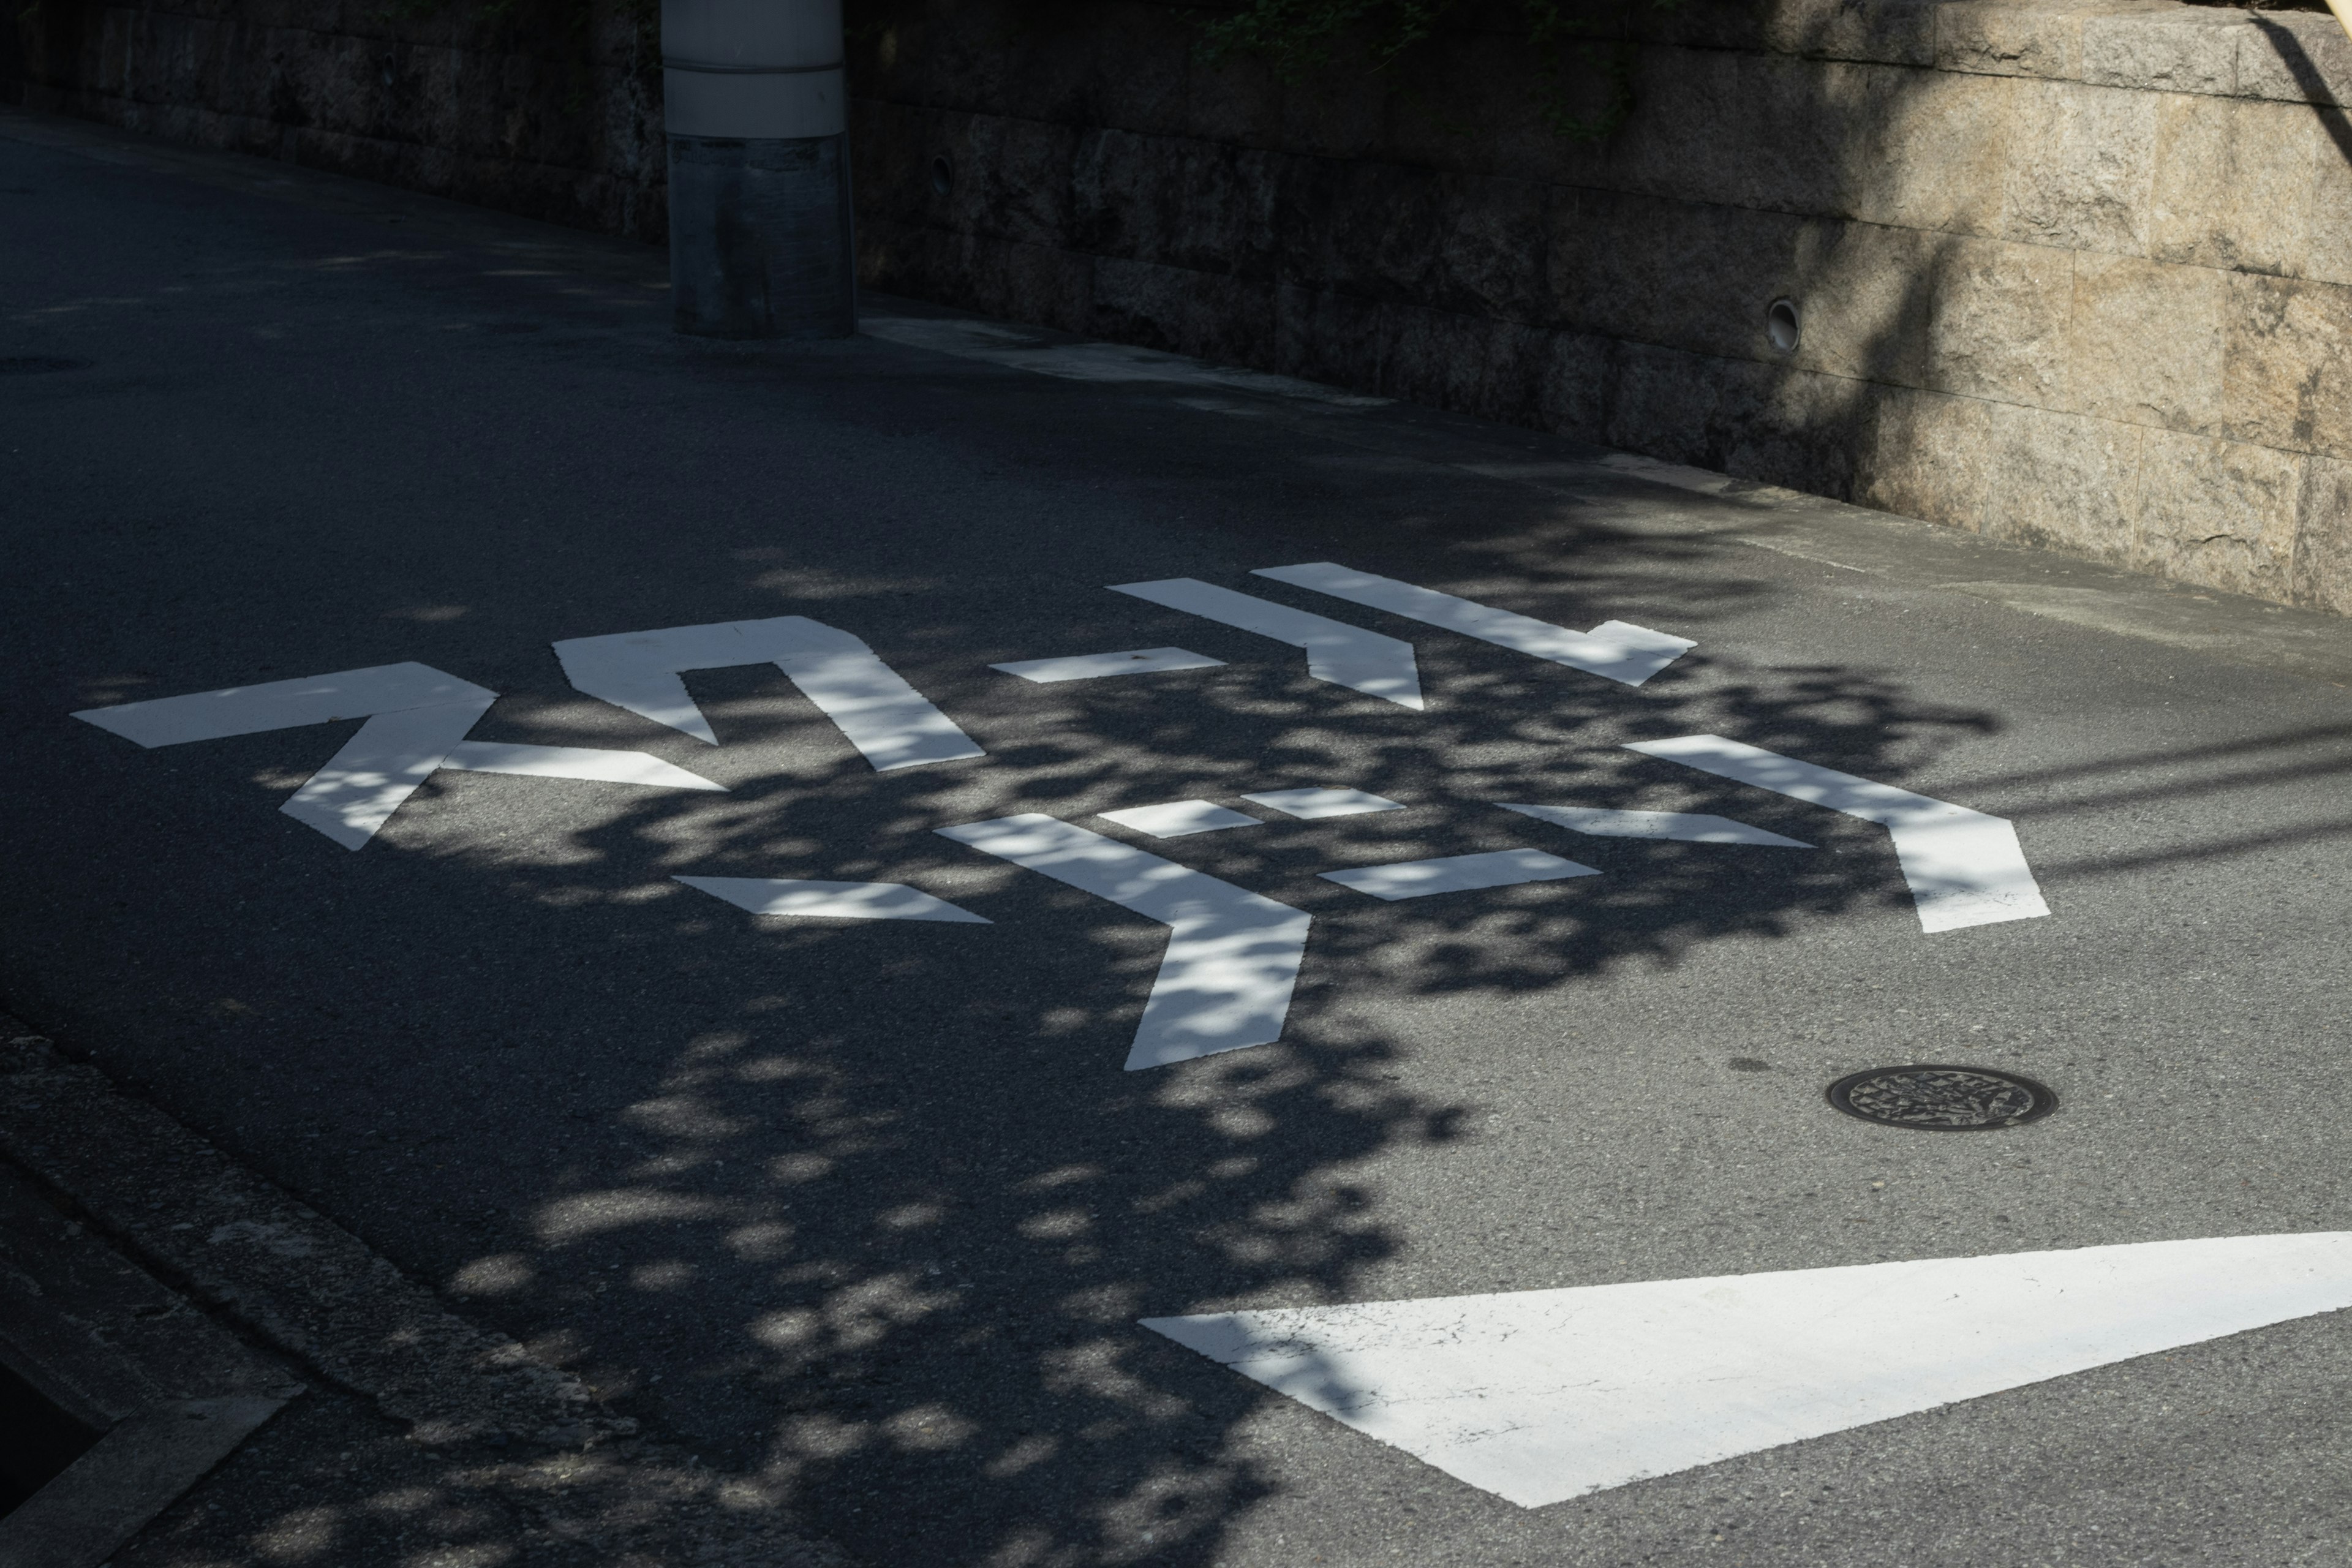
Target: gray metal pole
[[755, 106]]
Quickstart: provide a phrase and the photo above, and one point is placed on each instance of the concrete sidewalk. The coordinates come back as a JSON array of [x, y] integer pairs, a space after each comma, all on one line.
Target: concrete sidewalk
[[866, 1214]]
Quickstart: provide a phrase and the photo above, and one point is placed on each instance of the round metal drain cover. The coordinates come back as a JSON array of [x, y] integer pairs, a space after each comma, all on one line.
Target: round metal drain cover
[[1942, 1099], [38, 364]]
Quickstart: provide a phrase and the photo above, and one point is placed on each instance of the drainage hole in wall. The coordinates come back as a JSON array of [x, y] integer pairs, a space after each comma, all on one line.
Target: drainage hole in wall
[[1782, 325], [39, 364], [38, 1440], [1942, 1099], [942, 174]]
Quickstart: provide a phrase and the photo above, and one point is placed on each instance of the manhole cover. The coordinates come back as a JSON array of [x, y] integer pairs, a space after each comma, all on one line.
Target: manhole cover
[[1941, 1099], [37, 364]]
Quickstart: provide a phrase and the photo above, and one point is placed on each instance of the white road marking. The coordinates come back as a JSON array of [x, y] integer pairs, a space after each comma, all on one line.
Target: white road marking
[[1233, 955], [1020, 349], [1964, 868], [1541, 1395], [1458, 874], [886, 718], [840, 901], [416, 716], [573, 763], [1346, 656], [1095, 666], [1313, 803], [1176, 818], [1689, 826], [1618, 650]]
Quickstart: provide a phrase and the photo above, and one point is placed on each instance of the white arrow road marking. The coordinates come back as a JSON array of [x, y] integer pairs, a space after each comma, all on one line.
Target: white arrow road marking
[[1964, 868], [841, 900], [416, 716], [1540, 1395], [1343, 655], [1233, 955], [1095, 666], [1616, 649], [573, 763], [1178, 818], [1457, 873], [1313, 803], [886, 718], [1689, 826]]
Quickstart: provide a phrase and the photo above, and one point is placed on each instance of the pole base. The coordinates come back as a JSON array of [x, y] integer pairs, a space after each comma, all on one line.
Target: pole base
[[760, 238]]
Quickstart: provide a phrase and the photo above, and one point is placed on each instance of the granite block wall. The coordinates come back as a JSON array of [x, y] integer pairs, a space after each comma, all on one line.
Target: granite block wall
[[2072, 272], [2076, 273]]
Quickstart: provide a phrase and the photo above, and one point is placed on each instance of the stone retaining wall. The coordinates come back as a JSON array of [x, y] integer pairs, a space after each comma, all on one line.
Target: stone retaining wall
[[549, 107], [2075, 272]]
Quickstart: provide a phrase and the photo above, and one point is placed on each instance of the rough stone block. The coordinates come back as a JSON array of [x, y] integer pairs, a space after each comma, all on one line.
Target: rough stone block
[[1864, 292], [1895, 32], [2183, 50], [1794, 427], [2218, 512], [1936, 155], [1573, 394], [1929, 456], [2298, 57], [2144, 344], [1327, 336], [1997, 326], [2082, 163], [1664, 400], [1477, 365], [1230, 320], [2327, 252], [2063, 481], [1178, 201], [2322, 573], [1698, 278], [2234, 179], [2287, 364], [2001, 38]]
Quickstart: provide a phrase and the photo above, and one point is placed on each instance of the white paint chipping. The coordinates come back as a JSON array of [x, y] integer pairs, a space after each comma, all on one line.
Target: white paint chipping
[[1314, 804], [892, 723], [1232, 956], [416, 716], [1618, 650], [573, 763], [1458, 873], [1343, 655], [1095, 666], [1176, 818], [838, 900], [1541, 1395], [1964, 868], [1688, 826]]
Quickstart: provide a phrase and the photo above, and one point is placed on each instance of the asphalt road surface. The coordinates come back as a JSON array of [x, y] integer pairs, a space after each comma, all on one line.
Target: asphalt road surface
[[875, 1207]]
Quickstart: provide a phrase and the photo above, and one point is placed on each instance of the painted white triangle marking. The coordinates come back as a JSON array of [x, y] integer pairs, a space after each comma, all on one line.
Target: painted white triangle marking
[[1540, 1395]]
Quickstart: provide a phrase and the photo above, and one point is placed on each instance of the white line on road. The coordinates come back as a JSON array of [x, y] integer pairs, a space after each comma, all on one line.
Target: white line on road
[[416, 716], [573, 763], [1964, 868], [1233, 955], [1095, 666], [886, 718], [1311, 804], [839, 900], [1346, 656], [1458, 874], [1541, 1395], [1689, 826], [1618, 650], [1176, 818]]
